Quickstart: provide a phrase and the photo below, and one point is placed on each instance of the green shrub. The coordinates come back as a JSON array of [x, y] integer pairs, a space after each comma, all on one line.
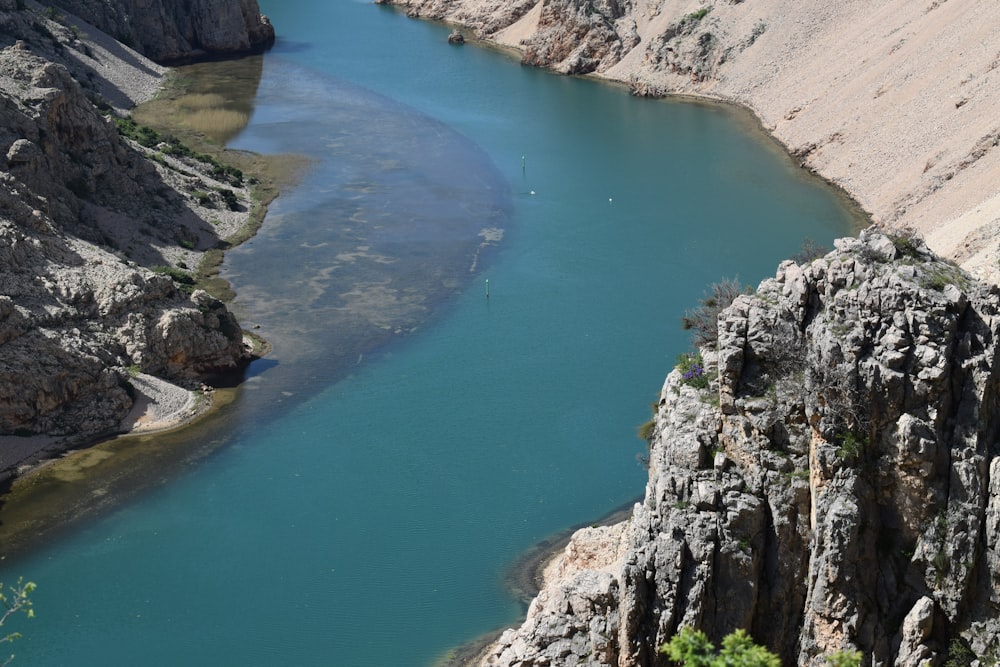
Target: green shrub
[[647, 430], [696, 15], [850, 447], [203, 198], [691, 648], [959, 655], [844, 658], [227, 173], [230, 199], [183, 278], [938, 275], [907, 242]]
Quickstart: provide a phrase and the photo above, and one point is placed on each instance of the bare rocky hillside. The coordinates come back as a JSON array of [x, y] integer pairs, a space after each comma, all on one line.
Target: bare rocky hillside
[[98, 238], [171, 31]]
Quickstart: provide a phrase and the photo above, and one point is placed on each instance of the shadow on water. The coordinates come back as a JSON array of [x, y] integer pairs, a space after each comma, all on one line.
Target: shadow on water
[[396, 214]]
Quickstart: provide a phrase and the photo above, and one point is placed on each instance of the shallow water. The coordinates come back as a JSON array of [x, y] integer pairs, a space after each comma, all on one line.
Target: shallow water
[[409, 437]]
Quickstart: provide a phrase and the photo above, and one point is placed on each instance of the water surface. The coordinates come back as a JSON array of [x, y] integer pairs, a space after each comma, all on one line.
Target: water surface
[[409, 437]]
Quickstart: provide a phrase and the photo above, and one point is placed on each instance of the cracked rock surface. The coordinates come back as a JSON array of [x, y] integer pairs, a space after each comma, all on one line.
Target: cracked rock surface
[[835, 487]]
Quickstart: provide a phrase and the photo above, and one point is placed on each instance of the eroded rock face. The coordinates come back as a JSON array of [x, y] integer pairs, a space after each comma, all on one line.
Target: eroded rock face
[[75, 313], [171, 31], [570, 36], [834, 488]]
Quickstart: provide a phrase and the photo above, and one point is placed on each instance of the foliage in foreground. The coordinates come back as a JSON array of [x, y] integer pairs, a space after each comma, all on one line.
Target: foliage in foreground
[[15, 599], [691, 648]]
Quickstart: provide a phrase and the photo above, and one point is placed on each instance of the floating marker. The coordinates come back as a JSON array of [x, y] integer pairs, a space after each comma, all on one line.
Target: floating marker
[[522, 164], [487, 288]]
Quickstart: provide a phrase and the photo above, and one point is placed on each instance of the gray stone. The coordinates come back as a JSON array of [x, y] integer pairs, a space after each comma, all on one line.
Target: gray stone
[[854, 481], [170, 31], [74, 314]]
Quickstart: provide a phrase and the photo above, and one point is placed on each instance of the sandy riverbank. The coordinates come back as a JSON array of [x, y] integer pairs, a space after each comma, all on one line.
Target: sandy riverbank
[[159, 406]]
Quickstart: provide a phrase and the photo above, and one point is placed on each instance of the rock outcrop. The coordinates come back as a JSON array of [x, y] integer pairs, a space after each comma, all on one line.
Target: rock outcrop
[[172, 31], [837, 486], [894, 102], [85, 218]]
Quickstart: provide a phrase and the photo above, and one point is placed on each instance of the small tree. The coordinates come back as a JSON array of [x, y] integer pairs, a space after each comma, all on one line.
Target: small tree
[[15, 599], [703, 321]]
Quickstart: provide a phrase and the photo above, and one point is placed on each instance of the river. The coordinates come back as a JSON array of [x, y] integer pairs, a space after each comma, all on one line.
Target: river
[[410, 435]]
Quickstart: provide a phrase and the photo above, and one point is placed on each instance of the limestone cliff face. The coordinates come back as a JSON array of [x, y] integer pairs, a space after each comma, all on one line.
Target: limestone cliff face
[[836, 487], [171, 31], [83, 217]]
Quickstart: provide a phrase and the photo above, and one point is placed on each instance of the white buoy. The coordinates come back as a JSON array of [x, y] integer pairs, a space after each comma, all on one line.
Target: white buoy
[[532, 192]]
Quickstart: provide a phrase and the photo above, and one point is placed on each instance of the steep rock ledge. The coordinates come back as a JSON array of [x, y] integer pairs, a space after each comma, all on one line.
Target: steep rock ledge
[[836, 486], [84, 217], [172, 31]]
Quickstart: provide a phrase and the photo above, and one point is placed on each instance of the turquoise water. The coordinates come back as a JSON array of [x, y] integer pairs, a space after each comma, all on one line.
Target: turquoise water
[[409, 437]]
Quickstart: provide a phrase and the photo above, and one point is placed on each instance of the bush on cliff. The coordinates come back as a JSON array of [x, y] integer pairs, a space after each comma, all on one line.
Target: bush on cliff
[[691, 648], [703, 321]]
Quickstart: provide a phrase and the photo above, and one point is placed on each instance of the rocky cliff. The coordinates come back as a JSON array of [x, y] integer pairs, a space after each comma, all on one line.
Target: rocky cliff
[[94, 240], [836, 486], [893, 100], [174, 31]]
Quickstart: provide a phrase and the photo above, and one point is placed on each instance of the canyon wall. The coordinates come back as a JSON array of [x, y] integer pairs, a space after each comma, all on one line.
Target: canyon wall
[[836, 486], [96, 236], [175, 31]]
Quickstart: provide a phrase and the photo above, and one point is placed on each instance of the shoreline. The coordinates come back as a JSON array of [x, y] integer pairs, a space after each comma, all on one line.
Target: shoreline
[[161, 406], [912, 147], [524, 578]]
